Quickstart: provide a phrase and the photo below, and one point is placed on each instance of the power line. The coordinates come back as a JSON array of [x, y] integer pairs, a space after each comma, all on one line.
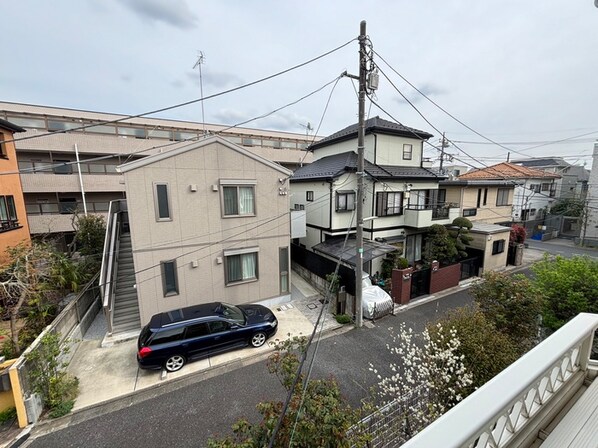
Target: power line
[[187, 103]]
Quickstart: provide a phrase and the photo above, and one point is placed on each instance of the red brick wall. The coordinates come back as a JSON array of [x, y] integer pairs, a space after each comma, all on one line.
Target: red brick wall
[[401, 285], [444, 278]]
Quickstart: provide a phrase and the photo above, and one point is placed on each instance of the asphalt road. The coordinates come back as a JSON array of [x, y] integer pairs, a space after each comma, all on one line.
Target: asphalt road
[[562, 247], [188, 415]]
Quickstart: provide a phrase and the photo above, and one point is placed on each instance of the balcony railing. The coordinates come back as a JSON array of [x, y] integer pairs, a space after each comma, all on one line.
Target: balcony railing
[[510, 409], [439, 210], [9, 224], [27, 167], [65, 208]]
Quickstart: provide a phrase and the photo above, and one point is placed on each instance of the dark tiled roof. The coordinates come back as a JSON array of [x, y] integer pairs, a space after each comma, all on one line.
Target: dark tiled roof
[[333, 166], [10, 126], [373, 125], [549, 161]]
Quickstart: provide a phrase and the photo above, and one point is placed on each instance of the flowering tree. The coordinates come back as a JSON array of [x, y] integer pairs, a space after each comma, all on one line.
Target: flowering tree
[[429, 377]]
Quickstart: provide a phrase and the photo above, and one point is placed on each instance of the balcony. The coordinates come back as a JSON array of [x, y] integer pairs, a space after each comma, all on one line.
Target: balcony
[[547, 398], [52, 217], [63, 183], [422, 216]]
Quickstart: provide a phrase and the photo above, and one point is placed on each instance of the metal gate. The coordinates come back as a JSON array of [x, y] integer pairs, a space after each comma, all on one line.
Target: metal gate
[[420, 282], [470, 267]]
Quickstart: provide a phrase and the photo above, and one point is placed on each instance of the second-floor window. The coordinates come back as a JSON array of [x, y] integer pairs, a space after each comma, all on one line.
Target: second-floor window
[[162, 202], [238, 200], [502, 197], [63, 167], [407, 151], [389, 203], [345, 201], [3, 152], [8, 213], [309, 196]]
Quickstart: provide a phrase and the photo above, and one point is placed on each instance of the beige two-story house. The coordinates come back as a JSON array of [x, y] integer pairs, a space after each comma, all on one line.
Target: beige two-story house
[[208, 221]]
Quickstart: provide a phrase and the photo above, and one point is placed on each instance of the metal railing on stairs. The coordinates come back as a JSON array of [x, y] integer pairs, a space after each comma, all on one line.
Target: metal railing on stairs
[[110, 257]]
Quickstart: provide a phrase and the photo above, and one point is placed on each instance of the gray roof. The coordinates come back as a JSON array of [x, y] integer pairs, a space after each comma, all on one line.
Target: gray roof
[[544, 162], [479, 227], [335, 165], [373, 125], [10, 126]]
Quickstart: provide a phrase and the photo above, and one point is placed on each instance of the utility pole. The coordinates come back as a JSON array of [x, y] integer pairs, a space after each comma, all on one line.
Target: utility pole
[[360, 173], [443, 144]]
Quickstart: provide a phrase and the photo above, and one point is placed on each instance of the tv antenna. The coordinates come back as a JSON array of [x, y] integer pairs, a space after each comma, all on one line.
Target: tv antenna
[[198, 64], [308, 128]]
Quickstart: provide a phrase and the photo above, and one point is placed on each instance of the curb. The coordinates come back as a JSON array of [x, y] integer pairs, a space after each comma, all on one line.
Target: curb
[[44, 427]]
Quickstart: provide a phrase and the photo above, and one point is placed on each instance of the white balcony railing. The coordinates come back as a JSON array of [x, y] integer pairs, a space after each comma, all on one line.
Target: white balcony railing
[[510, 409]]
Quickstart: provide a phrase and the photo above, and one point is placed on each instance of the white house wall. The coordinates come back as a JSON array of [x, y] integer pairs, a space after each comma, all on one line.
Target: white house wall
[[389, 151], [340, 147], [198, 232], [524, 198]]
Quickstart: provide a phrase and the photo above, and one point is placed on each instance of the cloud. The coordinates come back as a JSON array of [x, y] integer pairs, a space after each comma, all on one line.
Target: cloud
[[171, 12], [427, 89], [178, 84], [286, 122], [215, 79]]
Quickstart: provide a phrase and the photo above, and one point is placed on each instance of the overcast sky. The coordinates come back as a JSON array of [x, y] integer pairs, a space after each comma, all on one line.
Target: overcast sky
[[515, 71]]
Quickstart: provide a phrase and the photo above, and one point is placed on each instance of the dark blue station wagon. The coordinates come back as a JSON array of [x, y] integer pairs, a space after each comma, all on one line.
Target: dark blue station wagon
[[172, 338]]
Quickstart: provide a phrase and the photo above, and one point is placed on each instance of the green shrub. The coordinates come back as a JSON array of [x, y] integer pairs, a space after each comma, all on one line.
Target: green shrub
[[343, 318], [7, 415], [62, 409], [63, 388], [402, 263]]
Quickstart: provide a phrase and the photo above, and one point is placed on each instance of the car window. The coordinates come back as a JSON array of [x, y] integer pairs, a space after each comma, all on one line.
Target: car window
[[218, 326], [145, 335], [170, 335], [197, 330], [233, 313]]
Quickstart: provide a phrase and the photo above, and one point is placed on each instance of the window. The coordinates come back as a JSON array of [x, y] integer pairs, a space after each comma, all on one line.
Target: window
[[197, 330], [345, 201], [456, 173], [241, 265], [545, 187], [478, 202], [485, 196], [248, 142], [132, 132], [470, 212], [407, 151], [238, 200], [498, 247], [161, 202], [67, 206], [62, 167], [218, 326], [299, 207], [8, 213], [283, 269], [309, 196], [170, 335], [169, 278], [55, 125], [388, 203], [27, 122], [3, 152], [502, 197], [535, 188]]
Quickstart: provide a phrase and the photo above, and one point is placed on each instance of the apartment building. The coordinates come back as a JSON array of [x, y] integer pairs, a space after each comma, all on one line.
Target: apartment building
[[13, 222], [68, 158]]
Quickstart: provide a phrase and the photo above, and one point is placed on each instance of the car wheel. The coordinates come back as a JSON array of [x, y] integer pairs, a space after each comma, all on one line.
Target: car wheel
[[258, 339], [174, 363]]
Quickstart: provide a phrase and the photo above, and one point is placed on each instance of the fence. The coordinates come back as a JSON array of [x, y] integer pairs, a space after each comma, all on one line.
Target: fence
[[72, 323]]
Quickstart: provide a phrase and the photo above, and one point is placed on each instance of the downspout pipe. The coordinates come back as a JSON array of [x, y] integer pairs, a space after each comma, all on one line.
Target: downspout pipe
[[81, 180]]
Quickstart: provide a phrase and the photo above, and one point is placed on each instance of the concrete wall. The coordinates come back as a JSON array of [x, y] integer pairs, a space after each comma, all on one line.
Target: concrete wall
[[484, 241], [199, 234]]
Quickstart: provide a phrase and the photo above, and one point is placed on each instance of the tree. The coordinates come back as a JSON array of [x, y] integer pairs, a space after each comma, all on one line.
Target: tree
[[570, 286], [429, 376], [485, 350], [512, 304], [317, 414], [460, 234], [517, 234], [439, 245], [568, 207], [90, 232]]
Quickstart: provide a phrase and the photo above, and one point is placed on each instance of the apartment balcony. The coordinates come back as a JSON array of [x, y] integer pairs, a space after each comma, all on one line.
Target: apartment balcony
[[421, 216], [64, 183], [58, 217], [548, 398]]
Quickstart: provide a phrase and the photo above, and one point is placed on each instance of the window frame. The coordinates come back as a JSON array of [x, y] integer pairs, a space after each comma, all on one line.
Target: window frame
[[238, 183], [68, 168], [407, 150], [498, 247], [159, 218], [166, 291], [505, 192], [470, 212], [382, 203], [3, 150], [346, 194], [229, 253], [309, 196]]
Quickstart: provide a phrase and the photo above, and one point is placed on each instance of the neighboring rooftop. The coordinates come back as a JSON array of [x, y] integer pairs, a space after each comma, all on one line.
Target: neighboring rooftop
[[372, 125], [335, 165], [543, 162], [506, 170]]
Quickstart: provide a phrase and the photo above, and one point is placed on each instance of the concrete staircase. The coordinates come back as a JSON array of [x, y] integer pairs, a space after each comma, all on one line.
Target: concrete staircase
[[126, 306]]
